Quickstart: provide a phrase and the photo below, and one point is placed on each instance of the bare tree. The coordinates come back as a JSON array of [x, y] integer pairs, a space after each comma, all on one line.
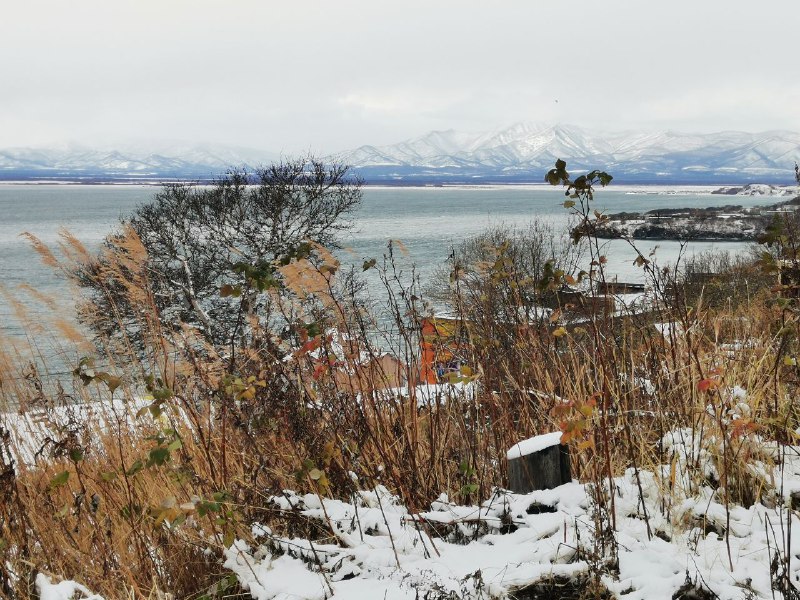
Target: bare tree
[[195, 242]]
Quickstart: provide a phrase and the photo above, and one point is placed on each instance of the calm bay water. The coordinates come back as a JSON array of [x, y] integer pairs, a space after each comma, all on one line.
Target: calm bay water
[[427, 220]]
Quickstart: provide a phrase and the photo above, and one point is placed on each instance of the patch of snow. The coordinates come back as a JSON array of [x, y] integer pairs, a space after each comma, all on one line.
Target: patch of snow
[[534, 444], [669, 329], [738, 393], [283, 577], [63, 590], [33, 431], [431, 394]]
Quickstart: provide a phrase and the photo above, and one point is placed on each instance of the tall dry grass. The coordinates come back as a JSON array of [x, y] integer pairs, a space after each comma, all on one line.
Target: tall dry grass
[[134, 479]]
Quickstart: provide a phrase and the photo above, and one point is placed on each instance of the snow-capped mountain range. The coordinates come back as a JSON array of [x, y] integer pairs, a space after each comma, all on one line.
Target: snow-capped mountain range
[[524, 151], [520, 153], [140, 162]]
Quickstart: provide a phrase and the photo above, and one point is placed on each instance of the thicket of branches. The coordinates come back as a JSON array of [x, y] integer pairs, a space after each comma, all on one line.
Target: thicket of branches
[[193, 240]]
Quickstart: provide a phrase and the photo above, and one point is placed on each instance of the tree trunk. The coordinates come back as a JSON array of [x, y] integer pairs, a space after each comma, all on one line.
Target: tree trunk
[[542, 470]]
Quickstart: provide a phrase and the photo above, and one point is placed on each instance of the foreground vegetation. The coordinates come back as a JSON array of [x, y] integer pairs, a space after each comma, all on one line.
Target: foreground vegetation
[[172, 443]]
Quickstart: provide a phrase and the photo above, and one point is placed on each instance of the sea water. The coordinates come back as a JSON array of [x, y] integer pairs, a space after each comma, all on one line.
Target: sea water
[[428, 221]]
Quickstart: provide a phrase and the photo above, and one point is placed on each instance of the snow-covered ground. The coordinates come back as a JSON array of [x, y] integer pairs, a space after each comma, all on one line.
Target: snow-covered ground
[[664, 538], [669, 530], [378, 549]]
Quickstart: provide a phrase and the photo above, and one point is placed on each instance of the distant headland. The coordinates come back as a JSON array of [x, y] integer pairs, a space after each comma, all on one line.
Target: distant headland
[[717, 223]]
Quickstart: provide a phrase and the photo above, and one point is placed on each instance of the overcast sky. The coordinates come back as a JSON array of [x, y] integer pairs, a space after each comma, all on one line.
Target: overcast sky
[[331, 75]]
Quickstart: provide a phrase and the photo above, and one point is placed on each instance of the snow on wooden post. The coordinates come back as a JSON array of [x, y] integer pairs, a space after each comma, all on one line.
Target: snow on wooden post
[[538, 463]]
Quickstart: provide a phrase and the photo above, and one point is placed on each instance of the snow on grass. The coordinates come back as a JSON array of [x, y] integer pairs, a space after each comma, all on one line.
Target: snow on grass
[[381, 547], [670, 529], [35, 431], [281, 577], [377, 548], [430, 394], [63, 590]]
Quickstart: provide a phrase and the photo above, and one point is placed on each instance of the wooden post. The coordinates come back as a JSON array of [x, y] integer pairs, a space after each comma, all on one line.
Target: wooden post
[[539, 463]]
